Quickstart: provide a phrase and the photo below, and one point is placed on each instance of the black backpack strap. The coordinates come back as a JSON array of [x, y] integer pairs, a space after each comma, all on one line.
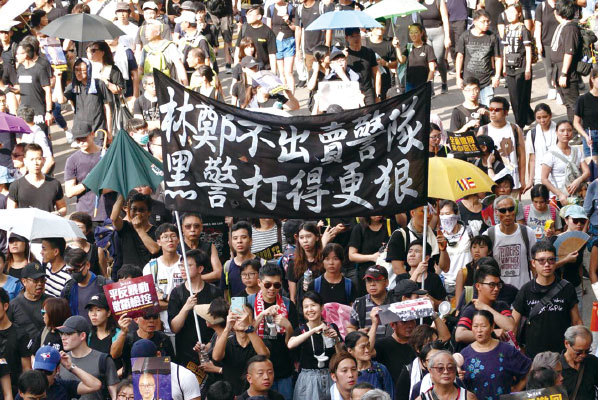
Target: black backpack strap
[[525, 238], [547, 299], [361, 309], [515, 130]]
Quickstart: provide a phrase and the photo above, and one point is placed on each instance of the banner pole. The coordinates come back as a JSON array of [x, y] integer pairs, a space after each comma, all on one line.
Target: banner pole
[[424, 247], [187, 271]]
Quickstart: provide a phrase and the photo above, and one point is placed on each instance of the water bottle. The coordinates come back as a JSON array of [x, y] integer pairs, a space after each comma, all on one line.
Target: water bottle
[[307, 279], [204, 358]]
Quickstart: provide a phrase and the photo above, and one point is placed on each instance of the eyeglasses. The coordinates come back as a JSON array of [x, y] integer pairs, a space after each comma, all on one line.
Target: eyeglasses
[[190, 226], [493, 285], [75, 268], [276, 285], [171, 238], [494, 109], [148, 317], [125, 397], [505, 210], [37, 280], [544, 261], [251, 275], [442, 368], [582, 352]]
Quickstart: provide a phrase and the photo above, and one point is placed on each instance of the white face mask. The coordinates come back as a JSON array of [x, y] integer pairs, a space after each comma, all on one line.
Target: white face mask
[[448, 222]]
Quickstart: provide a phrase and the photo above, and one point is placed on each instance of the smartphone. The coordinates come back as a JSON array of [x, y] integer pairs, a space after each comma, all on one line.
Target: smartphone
[[237, 304]]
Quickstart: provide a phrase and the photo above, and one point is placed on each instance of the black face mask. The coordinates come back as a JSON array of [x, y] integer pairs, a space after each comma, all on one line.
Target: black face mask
[[78, 276]]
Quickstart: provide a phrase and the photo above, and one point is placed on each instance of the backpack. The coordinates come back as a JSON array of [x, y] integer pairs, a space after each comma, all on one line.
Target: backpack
[[218, 8], [587, 60], [290, 10], [252, 297], [491, 232], [107, 238], [347, 287], [528, 207], [196, 40], [515, 130], [102, 375], [156, 59]]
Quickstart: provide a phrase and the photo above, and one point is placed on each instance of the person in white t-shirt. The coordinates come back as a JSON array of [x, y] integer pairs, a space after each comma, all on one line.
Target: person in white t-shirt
[[563, 167], [538, 142], [36, 136], [123, 12], [165, 269], [458, 237], [510, 249]]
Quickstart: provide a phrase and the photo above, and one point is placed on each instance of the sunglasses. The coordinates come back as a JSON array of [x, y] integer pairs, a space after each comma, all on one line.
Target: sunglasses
[[442, 368], [582, 352], [149, 317], [505, 210], [579, 221], [494, 109], [276, 285]]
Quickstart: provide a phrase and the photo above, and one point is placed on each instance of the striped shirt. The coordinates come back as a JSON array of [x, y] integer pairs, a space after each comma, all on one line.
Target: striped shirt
[[55, 282]]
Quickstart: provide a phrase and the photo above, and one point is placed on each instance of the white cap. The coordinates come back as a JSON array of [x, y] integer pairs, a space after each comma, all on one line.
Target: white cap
[[150, 5], [186, 16]]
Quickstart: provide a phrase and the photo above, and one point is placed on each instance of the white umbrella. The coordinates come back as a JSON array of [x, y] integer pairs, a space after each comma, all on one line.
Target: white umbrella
[[33, 223], [394, 8]]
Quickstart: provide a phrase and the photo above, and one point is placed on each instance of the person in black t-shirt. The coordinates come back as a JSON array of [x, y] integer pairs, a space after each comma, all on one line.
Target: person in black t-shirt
[[262, 36], [366, 242], [137, 235], [545, 25], [545, 330], [586, 119], [394, 351], [565, 52], [34, 84], [146, 106], [193, 228], [181, 305], [470, 114], [363, 61], [435, 137], [419, 58], [332, 286], [387, 52]]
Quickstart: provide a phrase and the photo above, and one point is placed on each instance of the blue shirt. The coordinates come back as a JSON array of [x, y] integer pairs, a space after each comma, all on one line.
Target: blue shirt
[[234, 278], [60, 390], [13, 286], [378, 376]]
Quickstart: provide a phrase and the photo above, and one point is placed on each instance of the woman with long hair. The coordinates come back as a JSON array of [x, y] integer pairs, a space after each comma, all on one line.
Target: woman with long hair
[[563, 169], [12, 285], [19, 255], [369, 371], [491, 366], [366, 241], [55, 312], [317, 342], [104, 67], [239, 77], [308, 256], [104, 327], [418, 69], [205, 85], [332, 286]]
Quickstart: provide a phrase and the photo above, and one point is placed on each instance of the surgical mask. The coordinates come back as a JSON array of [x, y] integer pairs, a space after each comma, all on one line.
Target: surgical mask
[[448, 222], [143, 139], [78, 276]]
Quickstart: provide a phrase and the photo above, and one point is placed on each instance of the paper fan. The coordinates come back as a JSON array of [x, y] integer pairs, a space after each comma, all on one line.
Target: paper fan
[[569, 242]]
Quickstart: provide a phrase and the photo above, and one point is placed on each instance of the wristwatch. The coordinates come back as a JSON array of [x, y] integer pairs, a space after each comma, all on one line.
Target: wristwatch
[[249, 329]]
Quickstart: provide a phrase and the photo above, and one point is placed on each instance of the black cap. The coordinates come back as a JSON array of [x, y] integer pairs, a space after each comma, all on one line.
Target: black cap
[[249, 62], [98, 300], [81, 130], [336, 53], [33, 270], [406, 287], [376, 272], [17, 237], [76, 323], [291, 227]]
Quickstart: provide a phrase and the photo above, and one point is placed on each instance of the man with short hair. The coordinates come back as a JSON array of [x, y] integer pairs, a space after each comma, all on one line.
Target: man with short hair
[[157, 44], [36, 136], [184, 385], [508, 139], [276, 318], [376, 278], [471, 113], [478, 55], [83, 283], [32, 385], [549, 305], [53, 253], [394, 351], [193, 228], [576, 360], [49, 360], [512, 243], [150, 13], [14, 350], [146, 106], [260, 375], [122, 13], [26, 309], [77, 168], [74, 334], [36, 189], [363, 61], [262, 36], [488, 284], [343, 370]]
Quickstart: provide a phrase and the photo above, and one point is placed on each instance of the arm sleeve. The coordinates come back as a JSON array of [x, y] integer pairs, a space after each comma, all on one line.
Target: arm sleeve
[[271, 42], [175, 305], [356, 237], [579, 106], [455, 120], [519, 363], [70, 170], [430, 54], [13, 194], [354, 320], [59, 191], [497, 46], [529, 143], [520, 305], [131, 63], [465, 319], [538, 14], [189, 383], [111, 372], [460, 44], [396, 249], [137, 107]]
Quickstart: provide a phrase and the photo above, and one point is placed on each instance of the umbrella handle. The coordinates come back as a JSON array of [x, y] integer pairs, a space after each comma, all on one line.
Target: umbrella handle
[[104, 144]]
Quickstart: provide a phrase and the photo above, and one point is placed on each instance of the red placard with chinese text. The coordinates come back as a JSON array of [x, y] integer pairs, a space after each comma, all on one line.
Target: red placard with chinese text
[[134, 297]]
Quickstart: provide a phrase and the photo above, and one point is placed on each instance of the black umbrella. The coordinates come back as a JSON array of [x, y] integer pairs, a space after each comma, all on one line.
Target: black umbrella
[[82, 28]]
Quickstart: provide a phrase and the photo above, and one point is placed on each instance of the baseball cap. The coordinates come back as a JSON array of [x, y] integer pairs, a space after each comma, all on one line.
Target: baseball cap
[[122, 6], [376, 272], [149, 5], [202, 311], [189, 6], [143, 348], [5, 176], [186, 16], [406, 287], [336, 53], [291, 227], [33, 270], [76, 323], [98, 300], [249, 62], [575, 211], [81, 130], [46, 358], [14, 236]]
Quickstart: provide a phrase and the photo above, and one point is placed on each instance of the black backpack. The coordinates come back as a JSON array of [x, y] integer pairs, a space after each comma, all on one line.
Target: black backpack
[[218, 8], [587, 60]]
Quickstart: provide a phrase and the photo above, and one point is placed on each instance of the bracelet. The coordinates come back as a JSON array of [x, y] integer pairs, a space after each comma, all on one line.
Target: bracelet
[[71, 369]]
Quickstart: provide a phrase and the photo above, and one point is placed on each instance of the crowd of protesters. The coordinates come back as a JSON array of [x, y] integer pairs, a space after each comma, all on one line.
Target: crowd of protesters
[[258, 291]]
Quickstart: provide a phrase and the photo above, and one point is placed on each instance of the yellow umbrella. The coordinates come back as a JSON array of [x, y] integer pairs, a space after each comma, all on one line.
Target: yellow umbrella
[[453, 179]]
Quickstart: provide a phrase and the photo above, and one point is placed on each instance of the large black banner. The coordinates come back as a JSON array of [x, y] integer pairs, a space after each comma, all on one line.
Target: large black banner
[[223, 160]]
